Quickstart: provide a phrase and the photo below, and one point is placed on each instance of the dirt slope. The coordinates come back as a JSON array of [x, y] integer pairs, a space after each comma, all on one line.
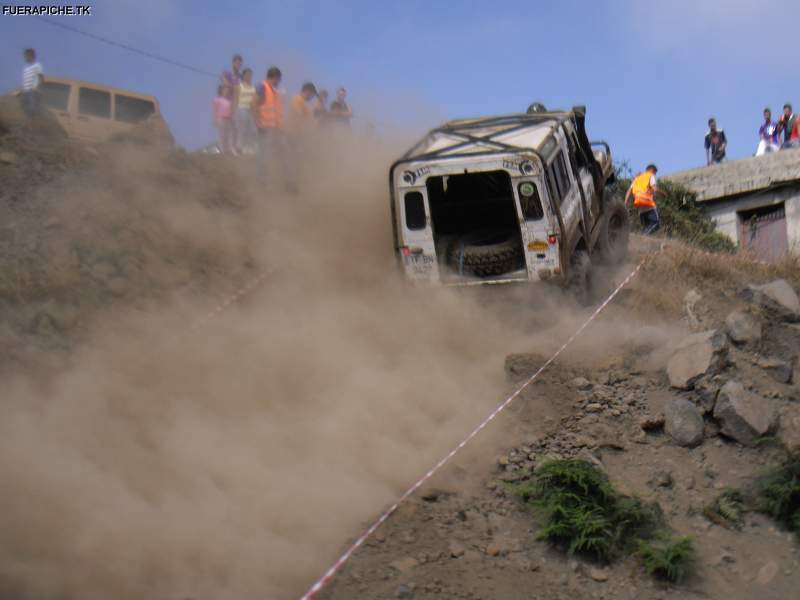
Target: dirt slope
[[235, 461]]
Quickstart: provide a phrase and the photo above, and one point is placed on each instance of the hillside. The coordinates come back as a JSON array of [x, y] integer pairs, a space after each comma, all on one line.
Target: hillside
[[170, 436]]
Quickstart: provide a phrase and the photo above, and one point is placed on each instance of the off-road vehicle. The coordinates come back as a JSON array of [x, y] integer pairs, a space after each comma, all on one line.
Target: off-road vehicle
[[507, 199], [94, 113]]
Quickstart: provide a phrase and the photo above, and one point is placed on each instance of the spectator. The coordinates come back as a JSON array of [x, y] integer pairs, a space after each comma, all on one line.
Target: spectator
[[788, 125], [768, 134], [715, 143], [32, 78], [234, 76], [644, 190], [340, 110], [269, 110], [245, 131], [301, 114], [321, 109], [231, 79], [222, 118]]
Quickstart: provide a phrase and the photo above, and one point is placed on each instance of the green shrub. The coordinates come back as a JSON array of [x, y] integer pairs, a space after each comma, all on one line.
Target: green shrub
[[583, 514], [727, 509], [777, 492], [672, 559]]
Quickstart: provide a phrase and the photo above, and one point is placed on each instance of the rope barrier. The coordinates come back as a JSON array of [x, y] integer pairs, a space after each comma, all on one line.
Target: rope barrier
[[328, 576]]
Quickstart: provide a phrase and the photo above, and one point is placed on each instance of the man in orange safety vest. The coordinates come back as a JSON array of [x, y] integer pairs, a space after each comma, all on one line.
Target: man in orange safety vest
[[643, 189], [268, 110]]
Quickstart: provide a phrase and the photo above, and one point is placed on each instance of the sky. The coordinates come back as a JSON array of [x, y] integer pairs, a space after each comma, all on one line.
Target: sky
[[650, 73]]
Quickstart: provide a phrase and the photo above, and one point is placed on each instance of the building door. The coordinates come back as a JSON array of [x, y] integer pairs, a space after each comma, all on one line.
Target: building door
[[763, 232]]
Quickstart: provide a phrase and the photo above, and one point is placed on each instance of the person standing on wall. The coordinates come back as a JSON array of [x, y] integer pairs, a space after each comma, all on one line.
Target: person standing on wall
[[787, 124], [32, 78], [715, 143], [269, 110], [768, 135], [644, 189]]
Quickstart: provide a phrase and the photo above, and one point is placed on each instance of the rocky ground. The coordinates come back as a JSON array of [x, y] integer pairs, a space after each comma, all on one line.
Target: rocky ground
[[675, 417], [676, 427]]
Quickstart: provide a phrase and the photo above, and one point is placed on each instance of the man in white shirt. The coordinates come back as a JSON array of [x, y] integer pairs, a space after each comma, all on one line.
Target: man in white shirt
[[32, 77]]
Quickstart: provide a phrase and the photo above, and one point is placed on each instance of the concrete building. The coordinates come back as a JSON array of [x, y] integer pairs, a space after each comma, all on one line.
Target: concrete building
[[754, 201]]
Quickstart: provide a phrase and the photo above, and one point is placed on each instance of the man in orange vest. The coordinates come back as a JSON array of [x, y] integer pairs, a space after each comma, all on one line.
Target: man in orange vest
[[269, 110], [643, 189]]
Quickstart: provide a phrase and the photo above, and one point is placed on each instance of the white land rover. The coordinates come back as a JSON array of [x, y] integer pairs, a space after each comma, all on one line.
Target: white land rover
[[507, 199]]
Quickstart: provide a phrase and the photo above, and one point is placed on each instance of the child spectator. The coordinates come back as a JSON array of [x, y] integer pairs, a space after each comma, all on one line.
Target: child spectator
[[715, 143], [31, 79], [222, 118], [245, 133], [768, 135], [340, 110]]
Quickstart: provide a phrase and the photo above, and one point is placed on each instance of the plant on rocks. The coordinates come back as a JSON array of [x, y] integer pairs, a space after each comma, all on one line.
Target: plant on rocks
[[777, 492], [727, 509], [584, 514], [668, 558]]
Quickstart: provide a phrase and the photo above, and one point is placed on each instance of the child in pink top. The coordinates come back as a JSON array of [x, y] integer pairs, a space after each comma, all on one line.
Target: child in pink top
[[222, 118]]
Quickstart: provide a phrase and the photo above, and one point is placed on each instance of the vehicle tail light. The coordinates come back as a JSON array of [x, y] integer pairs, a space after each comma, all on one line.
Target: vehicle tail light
[[405, 251], [552, 239]]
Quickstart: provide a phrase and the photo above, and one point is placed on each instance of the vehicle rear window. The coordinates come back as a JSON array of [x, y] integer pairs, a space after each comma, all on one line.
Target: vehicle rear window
[[94, 103], [415, 211], [55, 95], [530, 202], [132, 110]]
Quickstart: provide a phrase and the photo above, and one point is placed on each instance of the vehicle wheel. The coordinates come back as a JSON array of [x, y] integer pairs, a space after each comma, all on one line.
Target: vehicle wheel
[[579, 280], [487, 253], [612, 243]]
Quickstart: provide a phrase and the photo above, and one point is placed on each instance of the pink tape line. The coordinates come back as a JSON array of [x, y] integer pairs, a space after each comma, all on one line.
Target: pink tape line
[[331, 572]]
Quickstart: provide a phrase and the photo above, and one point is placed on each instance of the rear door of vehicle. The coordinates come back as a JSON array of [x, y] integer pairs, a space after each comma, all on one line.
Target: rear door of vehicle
[[537, 220], [417, 247]]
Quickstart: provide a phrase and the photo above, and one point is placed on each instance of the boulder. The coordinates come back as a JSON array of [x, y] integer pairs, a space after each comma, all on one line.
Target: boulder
[[581, 383], [779, 370], [521, 366], [8, 158], [743, 328], [777, 296], [706, 390], [683, 423], [697, 355], [742, 415], [789, 426]]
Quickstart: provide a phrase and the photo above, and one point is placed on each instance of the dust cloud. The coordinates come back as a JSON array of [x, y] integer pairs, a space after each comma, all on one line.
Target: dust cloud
[[235, 462]]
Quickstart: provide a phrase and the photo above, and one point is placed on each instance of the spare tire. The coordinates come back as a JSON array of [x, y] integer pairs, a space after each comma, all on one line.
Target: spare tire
[[487, 253]]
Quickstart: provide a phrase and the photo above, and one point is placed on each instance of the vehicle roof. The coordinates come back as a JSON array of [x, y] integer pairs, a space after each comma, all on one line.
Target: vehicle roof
[[116, 90], [487, 135]]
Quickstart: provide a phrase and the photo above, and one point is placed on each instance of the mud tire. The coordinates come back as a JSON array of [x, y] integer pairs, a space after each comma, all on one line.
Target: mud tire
[[612, 243], [487, 253]]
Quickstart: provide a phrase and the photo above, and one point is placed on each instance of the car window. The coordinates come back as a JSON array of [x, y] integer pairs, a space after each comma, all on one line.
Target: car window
[[94, 103], [529, 201], [55, 95], [415, 211], [562, 176], [132, 110]]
